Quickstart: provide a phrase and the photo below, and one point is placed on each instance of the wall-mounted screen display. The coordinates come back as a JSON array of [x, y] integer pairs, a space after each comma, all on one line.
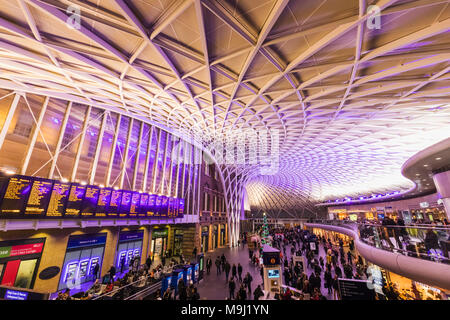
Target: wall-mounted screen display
[[273, 274], [114, 204], [180, 208], [151, 205], [90, 201], [157, 207], [104, 198], [143, 205], [76, 196], [58, 200], [125, 204], [164, 207], [39, 197], [134, 208], [15, 197]]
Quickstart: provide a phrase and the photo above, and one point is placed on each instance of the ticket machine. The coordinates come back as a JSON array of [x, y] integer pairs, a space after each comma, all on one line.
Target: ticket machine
[[195, 272], [201, 266], [166, 283], [176, 276], [187, 274], [272, 270]]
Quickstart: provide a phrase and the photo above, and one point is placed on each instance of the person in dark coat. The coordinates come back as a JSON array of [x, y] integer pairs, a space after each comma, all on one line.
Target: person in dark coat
[[328, 281], [233, 271], [112, 272], [248, 282], [239, 270], [242, 294], [95, 271], [227, 270], [208, 265], [258, 293], [231, 288]]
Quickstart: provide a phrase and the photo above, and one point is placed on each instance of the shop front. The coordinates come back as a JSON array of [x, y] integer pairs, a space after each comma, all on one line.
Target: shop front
[[337, 214], [128, 247], [159, 242], [82, 254], [178, 242], [205, 239], [215, 237], [19, 262], [222, 235]]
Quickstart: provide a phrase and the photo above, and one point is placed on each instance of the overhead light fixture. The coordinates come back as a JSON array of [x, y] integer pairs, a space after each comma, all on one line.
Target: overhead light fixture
[[439, 158], [102, 186], [83, 183], [64, 180], [10, 172]]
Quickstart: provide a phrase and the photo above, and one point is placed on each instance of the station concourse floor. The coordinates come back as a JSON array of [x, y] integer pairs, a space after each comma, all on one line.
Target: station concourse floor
[[214, 287]]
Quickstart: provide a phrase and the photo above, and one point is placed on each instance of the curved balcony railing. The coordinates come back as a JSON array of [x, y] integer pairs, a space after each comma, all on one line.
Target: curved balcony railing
[[428, 242]]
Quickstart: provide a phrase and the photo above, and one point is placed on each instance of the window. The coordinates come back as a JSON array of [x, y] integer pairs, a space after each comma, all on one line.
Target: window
[[207, 169], [24, 124], [205, 205], [92, 144], [215, 203], [69, 135]]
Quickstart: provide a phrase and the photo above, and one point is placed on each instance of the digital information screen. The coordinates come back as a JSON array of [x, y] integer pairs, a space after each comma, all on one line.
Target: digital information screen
[[151, 205], [143, 205], [135, 201], [39, 197], [76, 196], [104, 198], [172, 205], [58, 200], [180, 208], [164, 209], [90, 201], [15, 197], [157, 207], [125, 204], [114, 204]]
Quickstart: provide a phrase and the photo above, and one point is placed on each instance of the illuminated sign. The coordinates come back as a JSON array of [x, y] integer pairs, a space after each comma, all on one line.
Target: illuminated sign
[[16, 295]]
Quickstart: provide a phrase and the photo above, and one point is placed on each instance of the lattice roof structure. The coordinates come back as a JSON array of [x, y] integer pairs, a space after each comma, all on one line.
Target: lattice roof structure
[[351, 101]]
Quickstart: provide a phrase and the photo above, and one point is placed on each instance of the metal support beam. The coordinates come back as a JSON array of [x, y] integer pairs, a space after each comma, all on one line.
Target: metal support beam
[[8, 119], [136, 157], [113, 152], [37, 129], [80, 145], [98, 148], [60, 139], [125, 157]]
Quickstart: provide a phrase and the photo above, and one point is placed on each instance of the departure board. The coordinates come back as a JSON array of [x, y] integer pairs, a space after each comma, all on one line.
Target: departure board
[[104, 198], [76, 196], [125, 204], [180, 208], [58, 199], [151, 205], [134, 208], [143, 205], [114, 204], [157, 206], [15, 197], [164, 211], [90, 201], [39, 197], [169, 207]]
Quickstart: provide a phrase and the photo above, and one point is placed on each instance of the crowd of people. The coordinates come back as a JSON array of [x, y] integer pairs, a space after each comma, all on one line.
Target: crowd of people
[[336, 264], [119, 285]]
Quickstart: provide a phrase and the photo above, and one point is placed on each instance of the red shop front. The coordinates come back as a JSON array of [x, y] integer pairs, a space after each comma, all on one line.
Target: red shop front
[[19, 262]]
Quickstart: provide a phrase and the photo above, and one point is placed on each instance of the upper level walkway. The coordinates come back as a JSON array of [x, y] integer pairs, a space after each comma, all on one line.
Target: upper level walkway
[[418, 252]]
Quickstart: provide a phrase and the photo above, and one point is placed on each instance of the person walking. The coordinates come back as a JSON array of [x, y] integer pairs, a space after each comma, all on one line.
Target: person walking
[[233, 271], [227, 270], [95, 271], [231, 288], [242, 294], [258, 293], [208, 265], [194, 252], [248, 282], [239, 270], [218, 265], [328, 281], [112, 273]]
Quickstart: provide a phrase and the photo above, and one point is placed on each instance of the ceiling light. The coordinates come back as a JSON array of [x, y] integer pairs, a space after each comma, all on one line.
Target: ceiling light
[[439, 158]]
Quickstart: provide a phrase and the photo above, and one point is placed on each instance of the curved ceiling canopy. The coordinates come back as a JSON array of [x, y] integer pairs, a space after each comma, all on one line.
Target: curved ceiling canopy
[[352, 97]]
